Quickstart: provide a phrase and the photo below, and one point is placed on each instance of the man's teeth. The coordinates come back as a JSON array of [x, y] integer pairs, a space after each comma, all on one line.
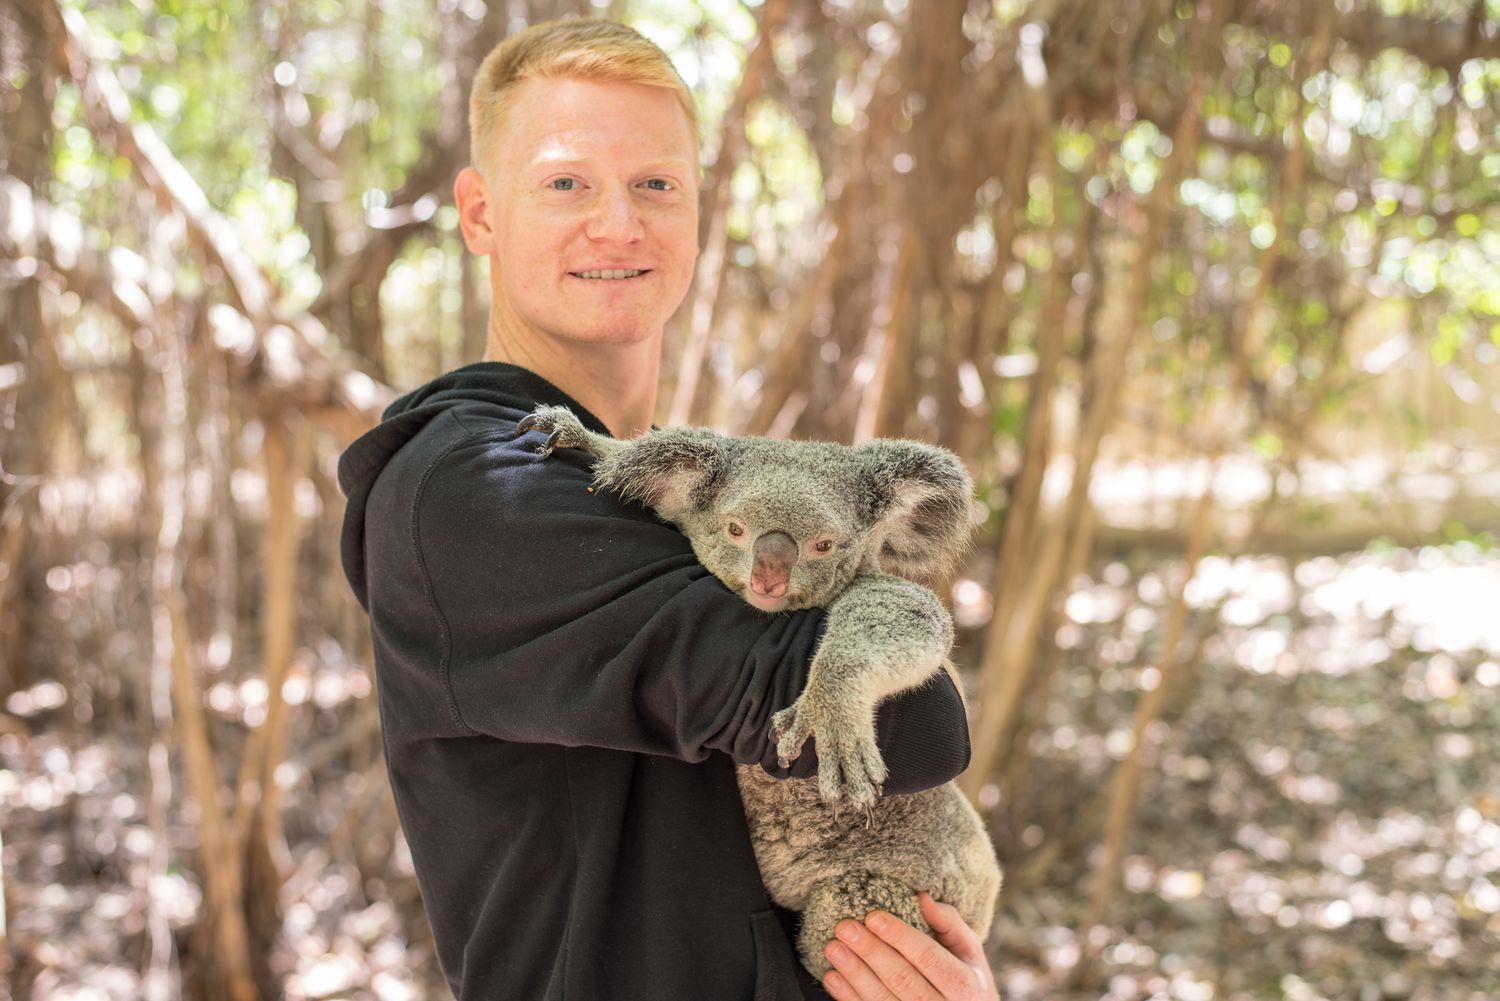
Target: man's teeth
[[610, 273]]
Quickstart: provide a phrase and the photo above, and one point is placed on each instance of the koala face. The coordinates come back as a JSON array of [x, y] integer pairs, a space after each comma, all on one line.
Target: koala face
[[789, 524], [784, 531]]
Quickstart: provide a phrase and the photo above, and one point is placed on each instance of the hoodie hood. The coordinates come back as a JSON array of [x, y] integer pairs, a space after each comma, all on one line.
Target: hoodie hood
[[491, 388]]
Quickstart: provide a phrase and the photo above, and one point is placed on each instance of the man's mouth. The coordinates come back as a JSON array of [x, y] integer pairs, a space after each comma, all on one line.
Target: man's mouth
[[610, 274]]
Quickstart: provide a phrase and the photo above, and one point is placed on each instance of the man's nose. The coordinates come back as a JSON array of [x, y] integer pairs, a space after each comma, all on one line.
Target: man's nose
[[616, 217]]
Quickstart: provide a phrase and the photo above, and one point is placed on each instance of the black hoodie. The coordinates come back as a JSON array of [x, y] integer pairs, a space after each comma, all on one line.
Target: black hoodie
[[563, 693]]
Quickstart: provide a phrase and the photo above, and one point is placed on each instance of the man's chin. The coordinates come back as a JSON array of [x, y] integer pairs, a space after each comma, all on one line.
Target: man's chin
[[615, 333]]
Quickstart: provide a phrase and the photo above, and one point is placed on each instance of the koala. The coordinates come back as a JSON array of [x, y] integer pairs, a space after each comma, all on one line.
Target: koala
[[860, 531]]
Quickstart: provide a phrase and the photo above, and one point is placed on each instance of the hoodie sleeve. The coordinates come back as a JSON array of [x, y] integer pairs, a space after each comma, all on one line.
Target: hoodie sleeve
[[514, 601]]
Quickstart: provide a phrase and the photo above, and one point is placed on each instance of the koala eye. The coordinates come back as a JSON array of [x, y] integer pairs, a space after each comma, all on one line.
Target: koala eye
[[822, 547], [736, 530]]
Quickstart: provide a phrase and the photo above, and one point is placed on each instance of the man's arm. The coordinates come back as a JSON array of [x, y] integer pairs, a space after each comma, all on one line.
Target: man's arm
[[533, 609]]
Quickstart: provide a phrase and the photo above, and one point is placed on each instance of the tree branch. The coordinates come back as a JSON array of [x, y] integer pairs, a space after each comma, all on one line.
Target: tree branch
[[296, 360], [428, 183]]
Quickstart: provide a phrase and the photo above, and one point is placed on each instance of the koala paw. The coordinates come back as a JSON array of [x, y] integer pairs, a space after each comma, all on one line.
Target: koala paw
[[849, 763], [566, 431]]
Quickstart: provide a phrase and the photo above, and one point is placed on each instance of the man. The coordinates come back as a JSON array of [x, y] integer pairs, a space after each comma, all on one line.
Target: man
[[563, 689]]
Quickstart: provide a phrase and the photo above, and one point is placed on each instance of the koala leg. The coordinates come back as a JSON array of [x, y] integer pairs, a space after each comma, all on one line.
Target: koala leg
[[884, 635], [566, 431], [850, 895]]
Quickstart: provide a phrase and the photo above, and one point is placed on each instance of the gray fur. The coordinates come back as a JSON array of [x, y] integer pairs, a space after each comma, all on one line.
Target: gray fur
[[893, 517]]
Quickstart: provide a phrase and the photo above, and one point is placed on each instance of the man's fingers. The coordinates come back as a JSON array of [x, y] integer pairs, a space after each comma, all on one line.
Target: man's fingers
[[942, 917], [875, 969], [949, 928], [851, 979], [848, 971], [885, 959], [931, 960], [953, 975]]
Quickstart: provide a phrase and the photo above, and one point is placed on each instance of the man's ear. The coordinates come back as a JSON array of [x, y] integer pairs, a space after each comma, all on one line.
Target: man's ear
[[674, 471], [472, 196], [916, 498]]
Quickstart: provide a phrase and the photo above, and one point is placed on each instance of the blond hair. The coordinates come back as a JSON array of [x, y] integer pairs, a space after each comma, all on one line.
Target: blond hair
[[583, 48]]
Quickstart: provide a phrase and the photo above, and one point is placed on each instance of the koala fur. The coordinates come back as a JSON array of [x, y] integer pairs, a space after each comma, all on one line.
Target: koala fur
[[859, 531]]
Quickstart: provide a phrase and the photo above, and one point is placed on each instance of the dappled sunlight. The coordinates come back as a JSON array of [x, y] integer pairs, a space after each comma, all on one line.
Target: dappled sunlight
[[1437, 604], [1322, 796]]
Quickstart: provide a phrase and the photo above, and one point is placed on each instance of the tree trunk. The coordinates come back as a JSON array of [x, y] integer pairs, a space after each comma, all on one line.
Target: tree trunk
[[714, 225], [258, 814], [1125, 786], [26, 154], [1004, 672], [228, 961]]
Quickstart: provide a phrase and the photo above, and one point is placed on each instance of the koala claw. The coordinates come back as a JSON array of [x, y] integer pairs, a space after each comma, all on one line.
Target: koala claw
[[858, 764], [790, 729], [566, 430], [849, 763], [552, 441], [857, 787]]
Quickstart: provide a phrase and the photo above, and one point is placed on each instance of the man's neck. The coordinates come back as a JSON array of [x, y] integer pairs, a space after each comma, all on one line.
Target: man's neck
[[614, 382]]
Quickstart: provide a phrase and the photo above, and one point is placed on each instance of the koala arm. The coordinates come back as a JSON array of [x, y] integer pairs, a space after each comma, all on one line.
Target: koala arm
[[884, 635], [922, 733]]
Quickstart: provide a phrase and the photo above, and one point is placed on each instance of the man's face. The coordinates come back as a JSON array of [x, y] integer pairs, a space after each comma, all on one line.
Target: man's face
[[588, 181]]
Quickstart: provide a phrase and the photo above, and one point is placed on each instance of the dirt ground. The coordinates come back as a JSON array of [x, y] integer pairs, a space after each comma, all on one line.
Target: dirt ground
[[1320, 818]]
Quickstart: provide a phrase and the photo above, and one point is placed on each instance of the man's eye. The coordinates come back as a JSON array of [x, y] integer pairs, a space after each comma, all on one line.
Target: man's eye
[[564, 183], [659, 184]]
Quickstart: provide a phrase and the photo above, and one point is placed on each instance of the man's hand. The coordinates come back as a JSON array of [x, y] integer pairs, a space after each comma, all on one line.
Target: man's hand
[[885, 959]]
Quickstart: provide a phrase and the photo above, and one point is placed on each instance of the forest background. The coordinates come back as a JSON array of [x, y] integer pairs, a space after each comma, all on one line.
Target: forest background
[[1206, 294]]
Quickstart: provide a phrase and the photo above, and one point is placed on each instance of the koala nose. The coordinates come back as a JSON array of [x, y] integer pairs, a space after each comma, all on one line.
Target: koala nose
[[775, 552]]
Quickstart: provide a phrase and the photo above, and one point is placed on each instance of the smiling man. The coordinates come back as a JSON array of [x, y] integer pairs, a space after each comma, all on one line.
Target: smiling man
[[563, 689], [585, 198]]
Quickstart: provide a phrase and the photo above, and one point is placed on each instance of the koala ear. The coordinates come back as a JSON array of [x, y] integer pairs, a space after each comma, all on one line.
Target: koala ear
[[673, 471], [917, 499]]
